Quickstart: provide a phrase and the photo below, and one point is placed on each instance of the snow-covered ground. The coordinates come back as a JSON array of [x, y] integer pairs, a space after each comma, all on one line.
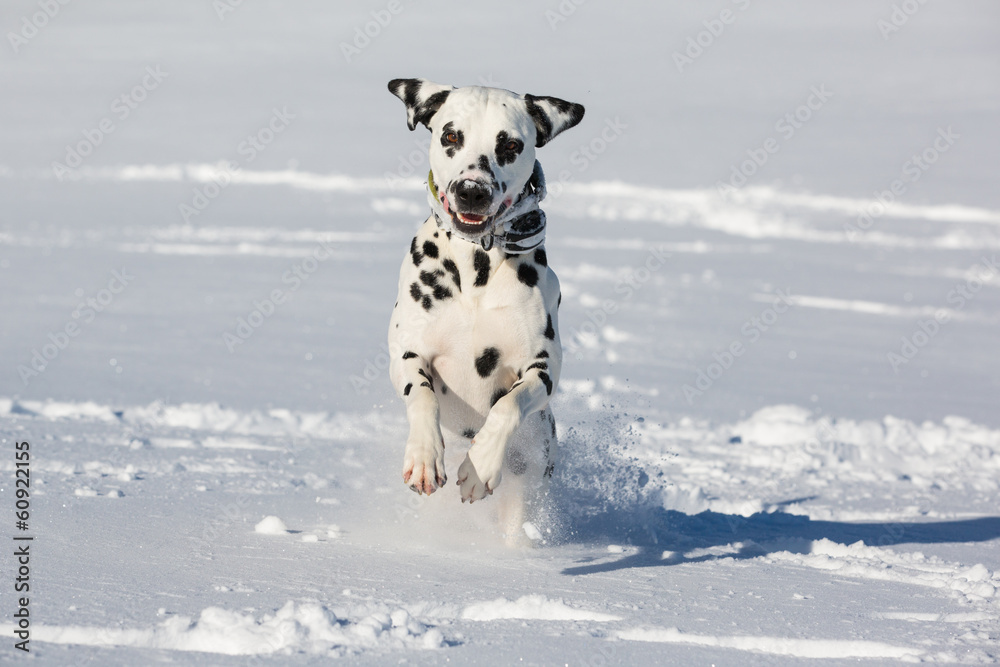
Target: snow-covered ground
[[779, 419]]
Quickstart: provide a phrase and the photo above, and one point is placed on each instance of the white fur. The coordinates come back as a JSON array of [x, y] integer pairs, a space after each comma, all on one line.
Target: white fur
[[443, 321]]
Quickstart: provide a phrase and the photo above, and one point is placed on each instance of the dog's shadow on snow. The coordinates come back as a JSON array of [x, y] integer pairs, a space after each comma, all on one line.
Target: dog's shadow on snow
[[659, 538]]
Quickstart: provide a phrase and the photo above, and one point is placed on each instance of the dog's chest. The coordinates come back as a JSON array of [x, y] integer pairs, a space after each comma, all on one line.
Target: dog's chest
[[457, 300]]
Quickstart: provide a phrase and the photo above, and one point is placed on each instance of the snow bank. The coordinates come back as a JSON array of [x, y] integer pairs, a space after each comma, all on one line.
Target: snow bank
[[799, 648], [531, 607], [968, 585], [306, 627]]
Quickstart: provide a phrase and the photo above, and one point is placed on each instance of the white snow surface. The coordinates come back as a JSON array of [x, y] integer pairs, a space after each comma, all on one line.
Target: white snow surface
[[779, 428]]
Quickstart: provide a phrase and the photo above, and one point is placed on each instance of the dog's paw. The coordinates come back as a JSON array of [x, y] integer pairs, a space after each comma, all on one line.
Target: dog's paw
[[479, 476], [423, 467]]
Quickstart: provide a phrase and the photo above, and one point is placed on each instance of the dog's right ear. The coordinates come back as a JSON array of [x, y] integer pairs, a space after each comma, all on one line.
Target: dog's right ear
[[421, 97]]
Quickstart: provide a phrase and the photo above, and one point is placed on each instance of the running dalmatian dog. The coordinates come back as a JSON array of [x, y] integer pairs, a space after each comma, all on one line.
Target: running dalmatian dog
[[474, 337]]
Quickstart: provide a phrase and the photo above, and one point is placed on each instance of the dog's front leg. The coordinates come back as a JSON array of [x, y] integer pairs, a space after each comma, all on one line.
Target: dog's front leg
[[423, 459], [480, 473]]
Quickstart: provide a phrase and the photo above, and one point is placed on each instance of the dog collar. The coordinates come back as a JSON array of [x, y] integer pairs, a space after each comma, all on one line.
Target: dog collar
[[515, 229]]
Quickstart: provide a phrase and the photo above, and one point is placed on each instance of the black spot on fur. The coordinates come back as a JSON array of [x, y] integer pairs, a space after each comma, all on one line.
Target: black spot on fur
[[451, 268], [430, 279], [430, 249], [444, 388], [552, 421], [550, 332], [487, 362], [559, 302], [426, 111], [408, 91], [538, 364], [546, 380], [429, 381], [504, 154], [497, 395], [542, 355], [410, 88], [484, 164], [435, 234], [468, 433], [415, 253], [527, 274], [409, 355], [425, 300], [481, 263], [450, 148], [407, 388], [543, 124], [541, 257], [516, 462]]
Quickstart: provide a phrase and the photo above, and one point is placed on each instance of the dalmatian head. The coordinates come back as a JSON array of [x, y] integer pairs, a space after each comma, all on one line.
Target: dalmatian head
[[483, 143]]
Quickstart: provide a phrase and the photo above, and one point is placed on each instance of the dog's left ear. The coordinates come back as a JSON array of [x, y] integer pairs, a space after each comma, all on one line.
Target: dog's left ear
[[552, 116], [421, 97]]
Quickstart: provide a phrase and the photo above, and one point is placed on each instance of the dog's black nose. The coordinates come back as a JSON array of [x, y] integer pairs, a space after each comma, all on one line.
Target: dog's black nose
[[472, 196]]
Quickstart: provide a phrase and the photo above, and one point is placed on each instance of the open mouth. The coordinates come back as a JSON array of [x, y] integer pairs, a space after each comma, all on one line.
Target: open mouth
[[469, 223]]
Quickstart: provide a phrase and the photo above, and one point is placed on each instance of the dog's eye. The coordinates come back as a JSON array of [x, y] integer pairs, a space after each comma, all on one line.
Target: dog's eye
[[512, 146], [451, 138]]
